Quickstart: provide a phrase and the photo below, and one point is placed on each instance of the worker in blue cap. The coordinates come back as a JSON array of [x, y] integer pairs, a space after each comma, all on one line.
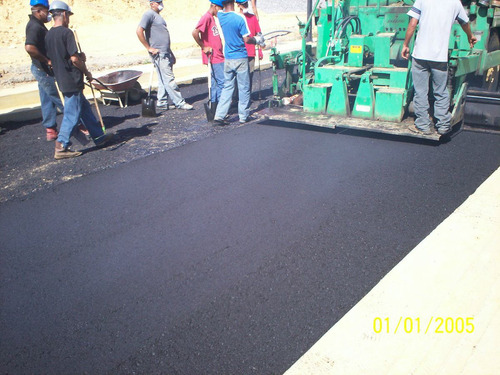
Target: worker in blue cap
[[207, 35], [40, 66]]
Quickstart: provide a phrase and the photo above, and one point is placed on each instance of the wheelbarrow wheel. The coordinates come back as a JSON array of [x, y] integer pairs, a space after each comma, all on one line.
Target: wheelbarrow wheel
[[135, 93]]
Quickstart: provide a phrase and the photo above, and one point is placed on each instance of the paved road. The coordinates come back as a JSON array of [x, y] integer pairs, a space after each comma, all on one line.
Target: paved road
[[230, 254]]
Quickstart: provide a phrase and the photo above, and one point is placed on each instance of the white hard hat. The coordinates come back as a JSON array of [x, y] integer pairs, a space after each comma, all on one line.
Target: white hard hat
[[59, 5]]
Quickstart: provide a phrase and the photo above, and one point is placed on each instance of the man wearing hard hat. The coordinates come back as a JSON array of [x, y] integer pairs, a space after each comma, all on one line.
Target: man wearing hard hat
[[69, 68], [35, 46]]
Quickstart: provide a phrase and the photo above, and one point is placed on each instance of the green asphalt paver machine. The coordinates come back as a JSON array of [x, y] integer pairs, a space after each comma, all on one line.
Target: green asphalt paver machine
[[354, 76]]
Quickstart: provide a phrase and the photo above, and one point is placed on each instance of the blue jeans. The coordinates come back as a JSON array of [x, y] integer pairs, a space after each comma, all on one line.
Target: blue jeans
[[235, 70], [217, 81], [49, 97], [421, 70], [77, 108], [166, 82]]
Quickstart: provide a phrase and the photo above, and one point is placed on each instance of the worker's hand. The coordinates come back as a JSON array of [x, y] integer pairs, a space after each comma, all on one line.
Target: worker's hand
[[405, 52], [173, 59], [89, 76], [259, 39], [83, 57], [207, 50], [472, 41], [153, 51]]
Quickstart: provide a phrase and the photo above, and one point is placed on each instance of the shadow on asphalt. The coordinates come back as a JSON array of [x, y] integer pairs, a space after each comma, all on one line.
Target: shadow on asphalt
[[111, 121], [122, 136], [15, 125]]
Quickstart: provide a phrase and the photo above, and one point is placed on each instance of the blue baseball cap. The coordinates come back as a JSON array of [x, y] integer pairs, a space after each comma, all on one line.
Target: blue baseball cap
[[242, 1], [217, 2], [44, 3]]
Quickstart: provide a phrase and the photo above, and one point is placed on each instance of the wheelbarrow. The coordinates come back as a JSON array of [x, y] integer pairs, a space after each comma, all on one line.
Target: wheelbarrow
[[113, 86]]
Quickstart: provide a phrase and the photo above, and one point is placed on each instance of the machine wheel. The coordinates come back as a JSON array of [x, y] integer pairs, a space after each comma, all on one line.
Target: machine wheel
[[491, 77], [481, 109]]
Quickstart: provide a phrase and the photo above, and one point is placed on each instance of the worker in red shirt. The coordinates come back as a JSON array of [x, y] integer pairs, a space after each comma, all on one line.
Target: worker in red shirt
[[207, 35], [254, 28]]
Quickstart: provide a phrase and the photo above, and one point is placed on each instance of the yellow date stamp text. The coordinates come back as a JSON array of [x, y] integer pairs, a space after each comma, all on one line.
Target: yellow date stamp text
[[416, 325]]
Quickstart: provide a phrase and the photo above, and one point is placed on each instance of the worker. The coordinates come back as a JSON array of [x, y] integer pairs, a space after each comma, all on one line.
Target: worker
[[235, 34], [69, 68], [430, 59], [254, 28], [207, 35], [40, 66], [253, 8], [154, 36]]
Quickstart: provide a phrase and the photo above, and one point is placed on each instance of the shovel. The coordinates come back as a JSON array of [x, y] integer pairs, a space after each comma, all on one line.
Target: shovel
[[148, 104], [210, 107]]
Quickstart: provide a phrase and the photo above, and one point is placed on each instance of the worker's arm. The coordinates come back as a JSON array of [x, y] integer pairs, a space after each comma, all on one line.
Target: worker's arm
[[142, 39], [470, 36], [34, 52], [81, 66], [249, 40], [257, 39], [197, 38], [254, 7], [412, 26]]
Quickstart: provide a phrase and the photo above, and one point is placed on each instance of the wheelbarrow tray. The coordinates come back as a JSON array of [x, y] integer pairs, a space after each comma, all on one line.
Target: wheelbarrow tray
[[121, 80]]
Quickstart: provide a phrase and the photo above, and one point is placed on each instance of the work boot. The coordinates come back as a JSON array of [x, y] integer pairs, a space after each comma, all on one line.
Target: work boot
[[52, 134], [413, 128], [62, 152], [221, 122], [185, 106], [248, 119], [443, 130]]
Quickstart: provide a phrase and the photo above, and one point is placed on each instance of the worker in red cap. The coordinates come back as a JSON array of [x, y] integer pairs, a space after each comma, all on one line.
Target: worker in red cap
[[40, 66], [207, 35], [254, 28]]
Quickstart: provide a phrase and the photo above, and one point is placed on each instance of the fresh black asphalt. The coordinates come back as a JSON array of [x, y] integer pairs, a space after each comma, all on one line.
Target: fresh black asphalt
[[230, 254]]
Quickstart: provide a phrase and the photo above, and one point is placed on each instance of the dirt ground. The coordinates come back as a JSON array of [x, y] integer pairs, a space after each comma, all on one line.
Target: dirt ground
[[106, 30]]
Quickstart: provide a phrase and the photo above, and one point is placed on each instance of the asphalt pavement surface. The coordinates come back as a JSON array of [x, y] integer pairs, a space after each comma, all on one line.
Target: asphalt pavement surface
[[189, 249]]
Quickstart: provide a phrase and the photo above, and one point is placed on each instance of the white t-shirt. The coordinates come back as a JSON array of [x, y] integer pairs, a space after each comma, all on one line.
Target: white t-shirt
[[435, 18]]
